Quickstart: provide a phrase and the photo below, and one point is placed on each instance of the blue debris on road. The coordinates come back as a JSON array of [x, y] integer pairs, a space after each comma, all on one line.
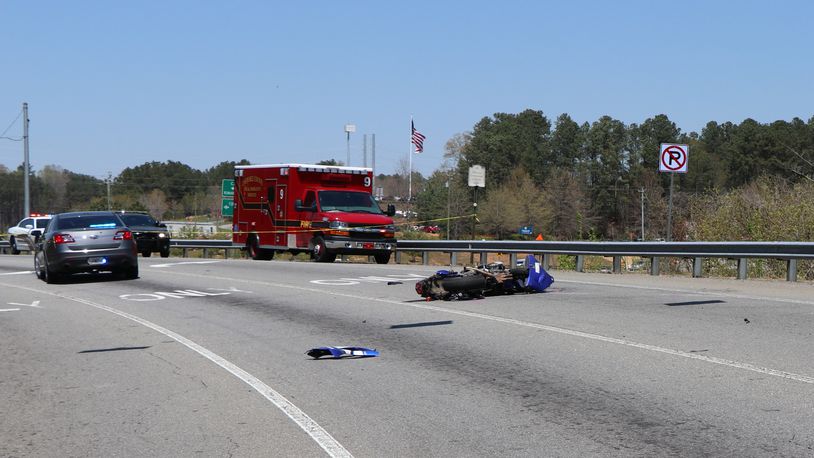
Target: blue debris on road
[[342, 352]]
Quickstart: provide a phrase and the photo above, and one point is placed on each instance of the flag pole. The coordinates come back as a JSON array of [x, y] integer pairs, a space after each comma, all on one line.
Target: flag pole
[[410, 153]]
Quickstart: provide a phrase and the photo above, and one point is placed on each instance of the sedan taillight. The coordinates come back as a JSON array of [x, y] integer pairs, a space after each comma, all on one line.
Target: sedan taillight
[[123, 235], [63, 238]]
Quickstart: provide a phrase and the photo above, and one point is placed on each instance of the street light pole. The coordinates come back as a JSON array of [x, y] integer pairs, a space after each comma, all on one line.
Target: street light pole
[[348, 129]]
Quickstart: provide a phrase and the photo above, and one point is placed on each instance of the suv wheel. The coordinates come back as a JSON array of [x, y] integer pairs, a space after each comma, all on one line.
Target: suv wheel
[[13, 242]]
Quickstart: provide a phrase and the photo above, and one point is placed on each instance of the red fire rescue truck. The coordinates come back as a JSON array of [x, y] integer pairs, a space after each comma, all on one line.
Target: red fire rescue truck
[[320, 209]]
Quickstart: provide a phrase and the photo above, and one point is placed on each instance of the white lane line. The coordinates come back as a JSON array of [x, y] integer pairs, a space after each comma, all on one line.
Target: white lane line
[[629, 343], [306, 423], [693, 292], [35, 304], [170, 264], [23, 272], [9, 310]]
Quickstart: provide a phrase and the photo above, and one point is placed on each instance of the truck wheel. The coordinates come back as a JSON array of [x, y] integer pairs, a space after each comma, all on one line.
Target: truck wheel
[[165, 251], [257, 253], [13, 244], [146, 253], [382, 258], [320, 253]]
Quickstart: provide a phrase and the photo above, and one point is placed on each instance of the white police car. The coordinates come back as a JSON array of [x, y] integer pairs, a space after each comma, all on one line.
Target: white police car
[[21, 237]]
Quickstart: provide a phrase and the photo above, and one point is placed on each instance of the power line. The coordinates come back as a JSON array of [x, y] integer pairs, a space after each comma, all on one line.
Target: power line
[[9, 127]]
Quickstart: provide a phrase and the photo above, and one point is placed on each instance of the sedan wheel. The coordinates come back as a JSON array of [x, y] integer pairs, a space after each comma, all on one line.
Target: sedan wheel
[[37, 268], [13, 242], [51, 277]]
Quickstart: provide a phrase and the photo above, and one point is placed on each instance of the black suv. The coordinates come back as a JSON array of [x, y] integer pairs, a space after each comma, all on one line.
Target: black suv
[[150, 235]]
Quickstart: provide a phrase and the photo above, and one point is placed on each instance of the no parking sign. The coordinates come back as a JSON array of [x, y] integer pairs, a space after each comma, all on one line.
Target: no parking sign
[[673, 158]]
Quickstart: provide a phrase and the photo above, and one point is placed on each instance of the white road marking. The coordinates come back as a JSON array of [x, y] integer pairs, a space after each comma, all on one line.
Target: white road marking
[[367, 279], [178, 294], [23, 272], [306, 423], [35, 304], [170, 264], [628, 343], [9, 310], [692, 292]]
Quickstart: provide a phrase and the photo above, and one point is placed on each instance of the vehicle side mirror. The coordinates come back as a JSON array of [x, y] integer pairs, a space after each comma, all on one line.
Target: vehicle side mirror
[[300, 208], [391, 210], [161, 225], [37, 234]]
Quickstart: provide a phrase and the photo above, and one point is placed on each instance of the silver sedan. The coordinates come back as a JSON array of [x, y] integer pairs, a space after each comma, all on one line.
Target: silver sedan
[[85, 242]]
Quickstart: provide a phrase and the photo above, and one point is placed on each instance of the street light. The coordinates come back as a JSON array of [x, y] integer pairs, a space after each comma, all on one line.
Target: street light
[[348, 129]]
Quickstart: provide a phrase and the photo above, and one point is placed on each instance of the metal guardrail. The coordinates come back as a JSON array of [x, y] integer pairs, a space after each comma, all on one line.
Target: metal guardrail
[[790, 252]]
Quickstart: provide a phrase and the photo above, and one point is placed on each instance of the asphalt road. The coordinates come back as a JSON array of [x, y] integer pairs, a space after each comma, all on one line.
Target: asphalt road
[[207, 358]]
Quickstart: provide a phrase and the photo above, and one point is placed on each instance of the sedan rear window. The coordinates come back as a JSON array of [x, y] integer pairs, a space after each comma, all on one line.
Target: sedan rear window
[[88, 222]]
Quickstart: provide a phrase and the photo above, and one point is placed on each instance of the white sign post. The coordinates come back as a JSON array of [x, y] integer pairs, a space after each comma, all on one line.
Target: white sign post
[[477, 179], [672, 159]]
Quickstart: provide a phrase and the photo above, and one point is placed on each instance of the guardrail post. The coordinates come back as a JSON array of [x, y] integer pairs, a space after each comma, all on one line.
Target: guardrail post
[[697, 265], [512, 260], [580, 263], [791, 270], [654, 266], [185, 252], [453, 258], [398, 257], [546, 261], [483, 257], [742, 268], [617, 264], [206, 253], [425, 258]]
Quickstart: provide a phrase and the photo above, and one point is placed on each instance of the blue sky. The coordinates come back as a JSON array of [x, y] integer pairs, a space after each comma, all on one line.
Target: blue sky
[[115, 84]]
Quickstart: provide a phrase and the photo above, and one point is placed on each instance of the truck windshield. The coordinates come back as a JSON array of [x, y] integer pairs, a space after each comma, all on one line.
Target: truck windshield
[[348, 201]]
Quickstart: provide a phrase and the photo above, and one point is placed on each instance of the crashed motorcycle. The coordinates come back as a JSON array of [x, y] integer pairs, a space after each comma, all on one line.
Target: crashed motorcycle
[[485, 280]]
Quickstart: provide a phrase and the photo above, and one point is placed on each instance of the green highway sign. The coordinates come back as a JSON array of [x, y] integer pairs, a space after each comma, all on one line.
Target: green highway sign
[[227, 207], [227, 188]]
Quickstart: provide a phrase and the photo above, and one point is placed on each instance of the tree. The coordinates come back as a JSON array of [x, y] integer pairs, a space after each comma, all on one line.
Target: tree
[[607, 153], [156, 203], [568, 202], [55, 180], [518, 202], [506, 141], [567, 143], [223, 171], [454, 149]]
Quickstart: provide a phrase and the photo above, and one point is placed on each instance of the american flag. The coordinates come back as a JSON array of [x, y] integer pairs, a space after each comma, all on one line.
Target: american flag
[[418, 139]]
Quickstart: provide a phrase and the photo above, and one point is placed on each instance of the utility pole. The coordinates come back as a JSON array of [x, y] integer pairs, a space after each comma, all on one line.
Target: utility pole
[[364, 150], [373, 157], [26, 165], [449, 192], [108, 190], [641, 190]]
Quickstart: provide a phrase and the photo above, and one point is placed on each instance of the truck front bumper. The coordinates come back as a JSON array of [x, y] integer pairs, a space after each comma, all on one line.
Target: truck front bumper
[[353, 246]]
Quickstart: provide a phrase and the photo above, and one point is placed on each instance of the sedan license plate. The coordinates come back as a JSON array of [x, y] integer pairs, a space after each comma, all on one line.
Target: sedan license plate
[[99, 261]]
